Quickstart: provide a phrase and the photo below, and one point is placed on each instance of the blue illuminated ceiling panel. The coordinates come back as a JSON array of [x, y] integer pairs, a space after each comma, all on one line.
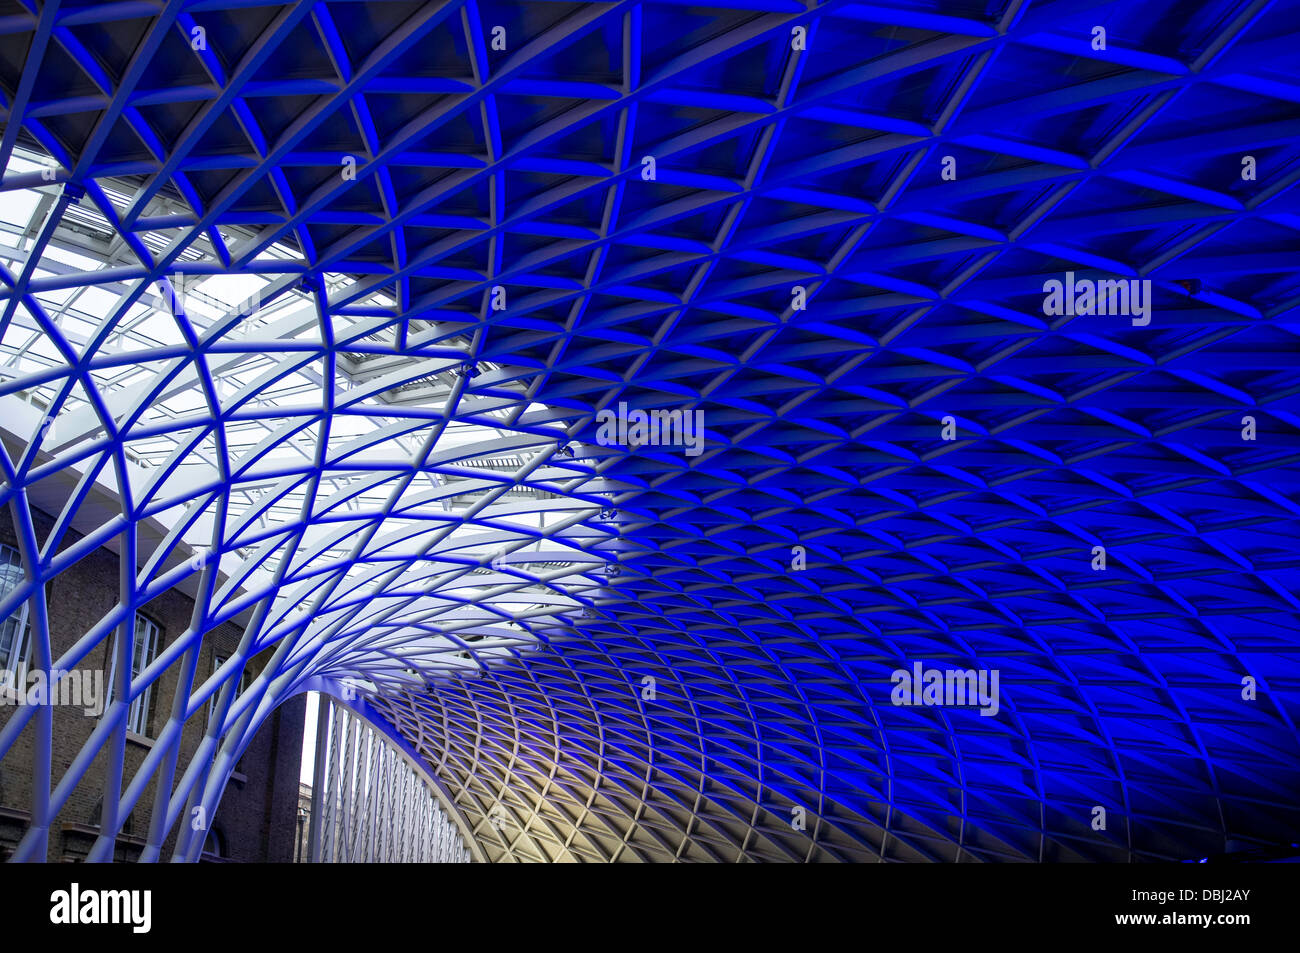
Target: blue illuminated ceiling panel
[[831, 229]]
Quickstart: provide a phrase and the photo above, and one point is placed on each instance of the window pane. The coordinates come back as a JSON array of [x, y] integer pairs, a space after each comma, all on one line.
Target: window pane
[[217, 662], [143, 651], [13, 630]]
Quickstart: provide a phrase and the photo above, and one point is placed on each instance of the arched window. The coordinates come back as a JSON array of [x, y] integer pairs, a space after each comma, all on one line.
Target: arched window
[[215, 845]]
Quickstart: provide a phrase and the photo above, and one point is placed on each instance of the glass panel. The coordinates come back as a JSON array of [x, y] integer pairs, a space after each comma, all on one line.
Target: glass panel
[[14, 630], [219, 661], [142, 653]]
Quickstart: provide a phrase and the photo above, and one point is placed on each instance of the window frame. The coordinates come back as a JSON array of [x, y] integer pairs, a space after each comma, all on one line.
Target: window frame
[[21, 641], [139, 710], [137, 715], [219, 660]]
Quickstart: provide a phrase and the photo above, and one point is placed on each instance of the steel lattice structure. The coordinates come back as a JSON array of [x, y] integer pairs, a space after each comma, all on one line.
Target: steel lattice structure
[[369, 805], [471, 226]]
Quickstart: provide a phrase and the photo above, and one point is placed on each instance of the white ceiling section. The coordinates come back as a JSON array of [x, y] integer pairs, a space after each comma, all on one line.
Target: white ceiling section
[[378, 504]]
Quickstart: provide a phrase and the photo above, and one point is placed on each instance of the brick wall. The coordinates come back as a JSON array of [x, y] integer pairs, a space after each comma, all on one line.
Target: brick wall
[[257, 817]]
